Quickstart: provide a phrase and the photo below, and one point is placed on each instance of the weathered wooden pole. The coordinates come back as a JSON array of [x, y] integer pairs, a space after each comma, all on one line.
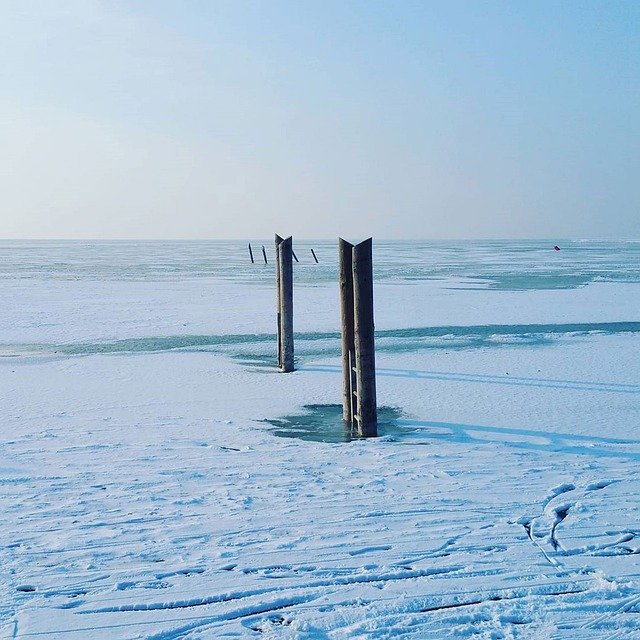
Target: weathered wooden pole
[[313, 253], [345, 278], [279, 239], [285, 260], [251, 254], [264, 254], [367, 413]]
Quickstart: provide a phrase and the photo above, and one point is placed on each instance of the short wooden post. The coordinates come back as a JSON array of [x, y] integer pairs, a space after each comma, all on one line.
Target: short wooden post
[[278, 300], [364, 340], [345, 278], [264, 254], [285, 259], [251, 254]]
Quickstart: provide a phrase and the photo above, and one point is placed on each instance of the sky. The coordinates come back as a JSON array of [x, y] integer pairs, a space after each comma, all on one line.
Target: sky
[[319, 118]]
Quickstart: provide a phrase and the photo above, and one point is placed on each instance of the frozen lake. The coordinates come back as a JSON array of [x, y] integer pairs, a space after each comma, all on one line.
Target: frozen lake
[[146, 491]]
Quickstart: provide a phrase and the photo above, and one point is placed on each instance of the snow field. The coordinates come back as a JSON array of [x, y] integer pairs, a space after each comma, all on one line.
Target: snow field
[[143, 495]]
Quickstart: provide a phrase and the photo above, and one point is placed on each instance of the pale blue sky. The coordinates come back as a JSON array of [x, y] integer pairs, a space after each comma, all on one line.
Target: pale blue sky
[[207, 119]]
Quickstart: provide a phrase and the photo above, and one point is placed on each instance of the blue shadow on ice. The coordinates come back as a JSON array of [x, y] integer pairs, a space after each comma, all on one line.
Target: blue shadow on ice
[[323, 423], [580, 385], [532, 439]]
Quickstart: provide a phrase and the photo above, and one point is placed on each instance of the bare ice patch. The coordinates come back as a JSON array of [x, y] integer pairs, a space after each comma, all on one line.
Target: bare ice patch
[[323, 423]]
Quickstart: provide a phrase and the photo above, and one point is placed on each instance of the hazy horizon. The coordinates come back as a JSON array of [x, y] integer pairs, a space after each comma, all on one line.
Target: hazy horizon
[[353, 238], [236, 119]]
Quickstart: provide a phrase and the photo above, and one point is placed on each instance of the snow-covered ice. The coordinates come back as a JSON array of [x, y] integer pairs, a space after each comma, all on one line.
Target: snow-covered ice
[[145, 495]]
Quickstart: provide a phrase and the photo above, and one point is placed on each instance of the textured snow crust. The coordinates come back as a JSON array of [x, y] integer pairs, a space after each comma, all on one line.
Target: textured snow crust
[[143, 495]]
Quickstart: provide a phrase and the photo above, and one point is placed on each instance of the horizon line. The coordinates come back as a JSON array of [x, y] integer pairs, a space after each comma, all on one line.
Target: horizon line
[[319, 239]]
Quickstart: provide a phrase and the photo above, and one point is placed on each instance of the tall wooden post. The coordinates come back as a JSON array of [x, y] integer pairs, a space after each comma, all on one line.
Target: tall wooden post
[[345, 278], [358, 343], [285, 261], [364, 340], [278, 299]]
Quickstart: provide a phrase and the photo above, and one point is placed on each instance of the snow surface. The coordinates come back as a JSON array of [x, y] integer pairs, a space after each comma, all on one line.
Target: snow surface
[[143, 495]]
